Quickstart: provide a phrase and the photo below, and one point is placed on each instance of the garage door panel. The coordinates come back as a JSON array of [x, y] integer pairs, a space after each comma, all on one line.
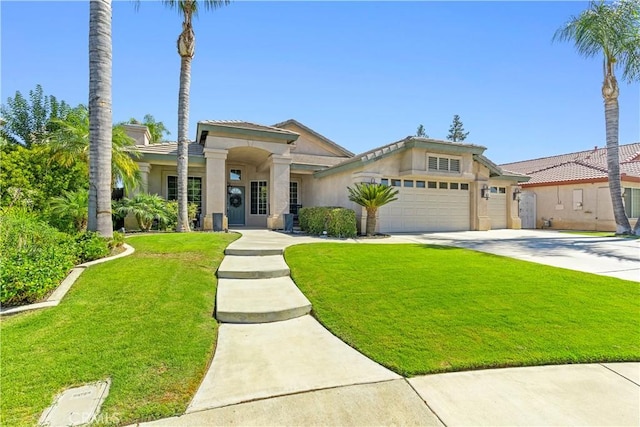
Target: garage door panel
[[426, 210], [498, 211]]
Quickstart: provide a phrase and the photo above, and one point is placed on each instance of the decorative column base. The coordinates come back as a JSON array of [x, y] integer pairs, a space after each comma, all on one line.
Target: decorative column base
[[275, 222]]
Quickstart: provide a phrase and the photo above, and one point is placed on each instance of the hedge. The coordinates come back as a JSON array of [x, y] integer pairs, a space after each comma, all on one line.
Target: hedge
[[337, 222]]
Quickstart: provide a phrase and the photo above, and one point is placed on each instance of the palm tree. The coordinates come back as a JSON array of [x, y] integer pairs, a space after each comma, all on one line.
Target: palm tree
[[611, 30], [70, 144], [146, 208], [186, 49], [157, 130], [100, 117], [371, 197], [72, 206]]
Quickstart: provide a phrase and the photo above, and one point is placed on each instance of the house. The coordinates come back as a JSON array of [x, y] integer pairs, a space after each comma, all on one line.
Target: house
[[571, 191], [247, 174]]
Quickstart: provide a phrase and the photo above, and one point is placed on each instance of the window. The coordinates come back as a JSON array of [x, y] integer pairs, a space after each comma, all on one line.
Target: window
[[453, 186], [384, 181], [464, 187], [432, 184], [443, 186], [235, 175], [396, 183], [443, 164], [293, 195], [502, 190], [194, 190], [632, 202], [494, 190], [258, 197], [420, 184], [408, 183]]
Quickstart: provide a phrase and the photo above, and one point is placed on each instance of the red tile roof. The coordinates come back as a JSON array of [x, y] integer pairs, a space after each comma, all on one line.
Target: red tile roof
[[580, 166]]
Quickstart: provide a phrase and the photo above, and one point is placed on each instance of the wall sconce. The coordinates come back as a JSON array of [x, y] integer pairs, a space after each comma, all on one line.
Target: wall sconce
[[517, 192], [372, 180], [485, 191], [228, 188]]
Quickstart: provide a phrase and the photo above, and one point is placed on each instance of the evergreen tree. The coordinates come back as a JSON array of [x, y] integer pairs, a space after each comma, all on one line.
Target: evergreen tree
[[456, 130], [421, 133]]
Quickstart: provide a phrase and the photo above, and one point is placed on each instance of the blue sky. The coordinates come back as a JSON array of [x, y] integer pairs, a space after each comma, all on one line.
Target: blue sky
[[364, 74]]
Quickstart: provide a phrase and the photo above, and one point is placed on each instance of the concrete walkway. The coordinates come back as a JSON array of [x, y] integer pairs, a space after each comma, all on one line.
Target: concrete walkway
[[276, 365]]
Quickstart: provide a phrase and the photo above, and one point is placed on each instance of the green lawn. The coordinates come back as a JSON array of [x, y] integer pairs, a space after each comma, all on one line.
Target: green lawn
[[424, 309], [145, 321]]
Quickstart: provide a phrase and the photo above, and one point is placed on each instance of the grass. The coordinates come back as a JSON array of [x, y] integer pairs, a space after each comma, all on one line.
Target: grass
[[145, 321], [420, 309]]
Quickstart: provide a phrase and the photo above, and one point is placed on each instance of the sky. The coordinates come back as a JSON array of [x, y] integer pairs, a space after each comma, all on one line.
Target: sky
[[364, 74]]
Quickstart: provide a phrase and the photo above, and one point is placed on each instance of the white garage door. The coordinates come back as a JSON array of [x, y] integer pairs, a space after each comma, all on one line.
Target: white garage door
[[498, 208], [426, 209]]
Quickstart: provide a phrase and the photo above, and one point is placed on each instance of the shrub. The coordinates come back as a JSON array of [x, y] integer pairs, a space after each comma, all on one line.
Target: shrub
[[91, 246], [337, 222], [117, 240], [35, 257]]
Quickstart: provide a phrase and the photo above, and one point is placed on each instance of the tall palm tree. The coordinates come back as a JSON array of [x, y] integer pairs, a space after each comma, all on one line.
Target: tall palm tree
[[69, 144], [186, 49], [611, 30], [100, 117], [371, 197]]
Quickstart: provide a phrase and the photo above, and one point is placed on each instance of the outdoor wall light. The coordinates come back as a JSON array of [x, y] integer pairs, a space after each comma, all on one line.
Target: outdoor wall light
[[485, 191], [517, 192], [228, 188]]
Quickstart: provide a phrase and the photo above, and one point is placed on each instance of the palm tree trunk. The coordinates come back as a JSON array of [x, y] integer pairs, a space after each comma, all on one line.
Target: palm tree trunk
[[371, 222], [100, 118], [612, 114], [183, 143]]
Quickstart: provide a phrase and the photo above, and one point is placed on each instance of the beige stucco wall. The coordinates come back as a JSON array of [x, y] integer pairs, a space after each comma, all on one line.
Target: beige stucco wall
[[595, 213]]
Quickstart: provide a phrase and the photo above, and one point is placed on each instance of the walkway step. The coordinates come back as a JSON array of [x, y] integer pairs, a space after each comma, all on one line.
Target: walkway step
[[259, 300], [253, 252], [259, 267]]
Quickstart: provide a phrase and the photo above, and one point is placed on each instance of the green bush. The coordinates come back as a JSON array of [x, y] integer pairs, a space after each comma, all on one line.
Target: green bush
[[35, 257], [117, 240], [91, 246], [337, 222]]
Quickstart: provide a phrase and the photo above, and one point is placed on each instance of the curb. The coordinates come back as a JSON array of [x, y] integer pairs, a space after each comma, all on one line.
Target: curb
[[62, 289]]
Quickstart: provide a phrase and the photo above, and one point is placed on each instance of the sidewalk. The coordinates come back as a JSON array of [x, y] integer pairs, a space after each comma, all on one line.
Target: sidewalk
[[292, 371]]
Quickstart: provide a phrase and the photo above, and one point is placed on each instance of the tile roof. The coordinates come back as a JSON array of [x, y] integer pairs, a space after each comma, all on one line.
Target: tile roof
[[170, 148], [583, 165], [329, 142], [240, 124]]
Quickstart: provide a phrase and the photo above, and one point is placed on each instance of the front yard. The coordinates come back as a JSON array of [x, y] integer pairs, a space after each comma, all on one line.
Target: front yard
[[421, 309], [145, 321]]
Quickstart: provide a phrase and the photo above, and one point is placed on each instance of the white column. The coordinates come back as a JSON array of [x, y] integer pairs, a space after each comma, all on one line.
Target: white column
[[216, 192], [280, 174], [145, 169]]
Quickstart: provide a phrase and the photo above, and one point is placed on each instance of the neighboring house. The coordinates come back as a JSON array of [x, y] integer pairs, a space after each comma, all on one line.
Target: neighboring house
[[251, 175], [571, 191]]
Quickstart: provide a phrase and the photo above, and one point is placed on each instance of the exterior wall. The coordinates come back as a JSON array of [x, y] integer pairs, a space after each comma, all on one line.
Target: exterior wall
[[556, 203], [310, 144]]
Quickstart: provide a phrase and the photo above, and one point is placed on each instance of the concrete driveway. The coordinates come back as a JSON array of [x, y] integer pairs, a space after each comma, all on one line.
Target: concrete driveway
[[607, 256]]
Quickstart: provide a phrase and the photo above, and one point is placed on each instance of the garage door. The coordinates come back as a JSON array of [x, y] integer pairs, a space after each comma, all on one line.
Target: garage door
[[498, 208], [427, 209]]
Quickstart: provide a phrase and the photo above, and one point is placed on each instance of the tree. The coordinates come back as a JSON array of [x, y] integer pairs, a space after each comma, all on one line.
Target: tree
[[72, 207], [28, 122], [613, 31], [456, 130], [145, 208], [186, 49], [70, 145], [100, 118], [157, 129], [371, 197], [421, 133]]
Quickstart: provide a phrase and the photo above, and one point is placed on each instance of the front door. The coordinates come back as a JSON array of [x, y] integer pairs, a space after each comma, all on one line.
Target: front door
[[235, 205]]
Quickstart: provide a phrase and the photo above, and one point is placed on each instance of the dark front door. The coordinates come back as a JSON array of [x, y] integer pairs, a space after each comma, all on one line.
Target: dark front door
[[235, 206]]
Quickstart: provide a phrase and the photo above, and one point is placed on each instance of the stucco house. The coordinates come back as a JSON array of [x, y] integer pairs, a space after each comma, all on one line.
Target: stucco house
[[251, 175], [571, 191]]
